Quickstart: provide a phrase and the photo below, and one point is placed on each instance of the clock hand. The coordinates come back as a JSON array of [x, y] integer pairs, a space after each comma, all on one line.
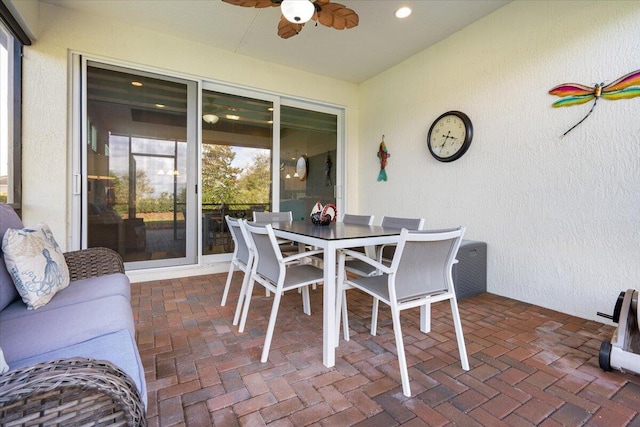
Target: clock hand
[[446, 138]]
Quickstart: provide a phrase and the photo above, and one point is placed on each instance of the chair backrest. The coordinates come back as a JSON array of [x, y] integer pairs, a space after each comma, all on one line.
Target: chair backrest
[[268, 258], [398, 222], [423, 262], [272, 216], [357, 219], [241, 243]]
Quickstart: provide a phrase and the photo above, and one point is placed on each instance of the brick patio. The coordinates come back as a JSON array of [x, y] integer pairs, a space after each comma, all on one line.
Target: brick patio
[[529, 365]]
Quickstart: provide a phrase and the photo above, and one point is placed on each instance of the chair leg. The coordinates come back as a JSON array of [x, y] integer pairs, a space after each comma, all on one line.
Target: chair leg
[[425, 318], [241, 298], [458, 325], [271, 327], [306, 302], [345, 316], [341, 302], [374, 316], [227, 285], [245, 308], [402, 360]]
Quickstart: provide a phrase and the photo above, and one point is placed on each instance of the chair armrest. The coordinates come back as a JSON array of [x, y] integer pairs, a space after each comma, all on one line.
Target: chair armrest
[[363, 257], [300, 255], [75, 391], [93, 262]]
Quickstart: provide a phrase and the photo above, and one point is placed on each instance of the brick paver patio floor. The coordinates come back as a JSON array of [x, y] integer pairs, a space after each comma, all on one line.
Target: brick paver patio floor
[[529, 365]]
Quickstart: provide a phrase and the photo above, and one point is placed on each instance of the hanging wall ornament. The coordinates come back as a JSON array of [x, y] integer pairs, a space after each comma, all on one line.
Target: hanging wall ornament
[[625, 87], [328, 164], [383, 155]]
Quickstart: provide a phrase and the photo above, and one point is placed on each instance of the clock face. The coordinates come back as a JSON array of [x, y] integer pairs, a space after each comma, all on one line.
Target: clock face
[[450, 136]]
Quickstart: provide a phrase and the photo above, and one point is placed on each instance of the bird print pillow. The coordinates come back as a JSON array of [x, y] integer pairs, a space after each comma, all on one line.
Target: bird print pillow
[[36, 264]]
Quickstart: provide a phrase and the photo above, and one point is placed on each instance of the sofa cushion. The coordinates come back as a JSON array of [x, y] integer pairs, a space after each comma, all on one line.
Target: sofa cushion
[[8, 292], [77, 292], [36, 264], [44, 331]]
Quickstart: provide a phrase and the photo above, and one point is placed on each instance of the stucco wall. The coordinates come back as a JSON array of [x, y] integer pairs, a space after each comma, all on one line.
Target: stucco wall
[[560, 216], [47, 132]]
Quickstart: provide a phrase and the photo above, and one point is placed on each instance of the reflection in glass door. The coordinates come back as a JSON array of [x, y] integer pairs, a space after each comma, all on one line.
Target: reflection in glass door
[[237, 137], [307, 138], [138, 138]]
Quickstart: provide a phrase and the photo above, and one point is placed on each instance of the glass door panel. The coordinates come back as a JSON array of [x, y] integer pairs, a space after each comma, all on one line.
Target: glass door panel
[[137, 158], [307, 138], [237, 140]]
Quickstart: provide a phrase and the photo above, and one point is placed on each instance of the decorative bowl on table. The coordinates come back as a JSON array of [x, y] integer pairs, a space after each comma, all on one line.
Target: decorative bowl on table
[[323, 215]]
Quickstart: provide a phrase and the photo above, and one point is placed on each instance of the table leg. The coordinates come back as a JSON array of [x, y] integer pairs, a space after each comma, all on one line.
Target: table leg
[[329, 307]]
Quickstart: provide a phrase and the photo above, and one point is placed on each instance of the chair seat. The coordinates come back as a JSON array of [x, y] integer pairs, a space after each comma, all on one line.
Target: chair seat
[[359, 267], [377, 286], [302, 273]]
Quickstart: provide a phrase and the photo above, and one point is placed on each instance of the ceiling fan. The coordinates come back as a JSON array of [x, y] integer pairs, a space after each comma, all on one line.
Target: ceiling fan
[[296, 12]]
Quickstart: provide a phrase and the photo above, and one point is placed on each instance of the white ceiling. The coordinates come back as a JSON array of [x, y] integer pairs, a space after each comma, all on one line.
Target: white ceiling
[[376, 44]]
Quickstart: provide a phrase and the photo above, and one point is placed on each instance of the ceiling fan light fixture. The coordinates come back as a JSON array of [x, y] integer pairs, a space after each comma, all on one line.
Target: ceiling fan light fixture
[[297, 11], [212, 119], [403, 12]]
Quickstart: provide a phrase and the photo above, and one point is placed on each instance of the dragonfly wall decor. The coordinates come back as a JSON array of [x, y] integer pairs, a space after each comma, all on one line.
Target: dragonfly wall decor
[[627, 86]]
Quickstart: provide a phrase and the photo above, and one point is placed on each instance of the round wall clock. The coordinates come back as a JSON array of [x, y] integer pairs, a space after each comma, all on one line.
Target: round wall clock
[[450, 136], [301, 167]]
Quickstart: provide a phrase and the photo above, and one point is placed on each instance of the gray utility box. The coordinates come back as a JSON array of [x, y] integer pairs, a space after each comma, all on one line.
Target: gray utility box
[[470, 273]]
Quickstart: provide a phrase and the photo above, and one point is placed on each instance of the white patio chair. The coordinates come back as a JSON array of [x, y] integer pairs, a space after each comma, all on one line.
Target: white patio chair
[[278, 275], [272, 216], [383, 254], [350, 219], [419, 275], [242, 258], [286, 246]]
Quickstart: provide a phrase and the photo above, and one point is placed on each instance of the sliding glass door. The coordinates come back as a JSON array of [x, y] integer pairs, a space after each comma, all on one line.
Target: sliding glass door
[[138, 153], [252, 145], [237, 141], [308, 159], [159, 161]]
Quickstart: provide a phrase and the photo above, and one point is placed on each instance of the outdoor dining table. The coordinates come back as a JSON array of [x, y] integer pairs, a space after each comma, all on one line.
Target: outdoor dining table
[[332, 237]]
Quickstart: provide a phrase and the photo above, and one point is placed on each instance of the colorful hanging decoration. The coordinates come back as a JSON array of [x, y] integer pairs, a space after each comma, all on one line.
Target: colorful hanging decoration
[[383, 155], [625, 87]]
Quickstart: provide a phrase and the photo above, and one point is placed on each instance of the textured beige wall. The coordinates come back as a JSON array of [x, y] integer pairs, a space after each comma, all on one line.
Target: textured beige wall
[[560, 216]]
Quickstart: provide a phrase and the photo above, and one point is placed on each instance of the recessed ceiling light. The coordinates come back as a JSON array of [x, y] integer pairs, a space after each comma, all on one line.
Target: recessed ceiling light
[[136, 84], [160, 105], [403, 12], [232, 117]]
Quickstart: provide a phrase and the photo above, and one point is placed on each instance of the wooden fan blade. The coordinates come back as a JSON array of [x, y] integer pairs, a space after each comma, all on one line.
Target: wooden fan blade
[[288, 29], [253, 3], [337, 16]]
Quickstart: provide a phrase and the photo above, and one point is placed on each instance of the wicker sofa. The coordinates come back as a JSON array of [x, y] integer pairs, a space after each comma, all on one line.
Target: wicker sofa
[[73, 361]]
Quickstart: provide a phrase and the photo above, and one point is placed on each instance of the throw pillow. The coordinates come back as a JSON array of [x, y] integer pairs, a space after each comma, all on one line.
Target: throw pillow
[[36, 264], [3, 364]]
